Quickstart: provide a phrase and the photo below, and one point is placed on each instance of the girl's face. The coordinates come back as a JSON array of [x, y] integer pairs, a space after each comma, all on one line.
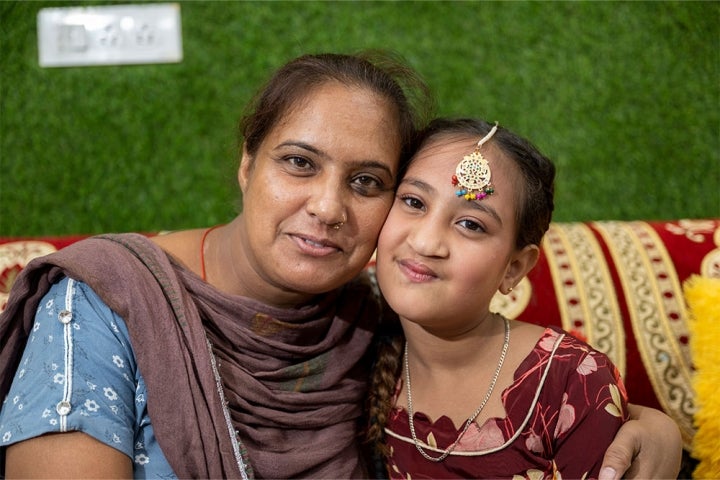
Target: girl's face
[[440, 257], [332, 158]]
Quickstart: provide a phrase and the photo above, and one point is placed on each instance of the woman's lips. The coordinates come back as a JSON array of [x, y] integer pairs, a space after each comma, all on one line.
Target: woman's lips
[[315, 246]]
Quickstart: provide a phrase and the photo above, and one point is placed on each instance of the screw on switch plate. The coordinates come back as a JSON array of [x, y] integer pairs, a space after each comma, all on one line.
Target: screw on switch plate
[[109, 35]]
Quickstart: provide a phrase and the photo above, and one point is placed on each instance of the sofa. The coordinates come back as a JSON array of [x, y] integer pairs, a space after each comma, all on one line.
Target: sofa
[[617, 285]]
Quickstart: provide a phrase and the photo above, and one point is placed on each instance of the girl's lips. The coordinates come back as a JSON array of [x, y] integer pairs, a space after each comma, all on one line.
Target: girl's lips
[[315, 246], [416, 272]]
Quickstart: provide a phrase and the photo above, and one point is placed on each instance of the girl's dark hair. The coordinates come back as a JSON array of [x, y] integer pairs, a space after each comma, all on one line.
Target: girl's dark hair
[[386, 353], [535, 206], [383, 73]]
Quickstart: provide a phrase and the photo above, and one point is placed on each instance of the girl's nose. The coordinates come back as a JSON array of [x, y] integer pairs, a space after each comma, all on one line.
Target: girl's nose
[[427, 238]]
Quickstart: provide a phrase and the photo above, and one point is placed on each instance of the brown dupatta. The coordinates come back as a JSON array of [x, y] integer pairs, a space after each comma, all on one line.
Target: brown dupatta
[[294, 379]]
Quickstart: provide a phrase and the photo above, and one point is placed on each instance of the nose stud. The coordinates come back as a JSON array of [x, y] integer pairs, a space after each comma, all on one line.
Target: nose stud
[[338, 225]]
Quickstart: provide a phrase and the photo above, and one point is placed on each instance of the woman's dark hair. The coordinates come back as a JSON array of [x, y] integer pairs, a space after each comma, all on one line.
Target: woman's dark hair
[[383, 73], [535, 206]]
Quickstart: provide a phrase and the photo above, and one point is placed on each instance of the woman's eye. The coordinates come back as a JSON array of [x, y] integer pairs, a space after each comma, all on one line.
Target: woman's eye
[[299, 162], [367, 181], [367, 184], [471, 225]]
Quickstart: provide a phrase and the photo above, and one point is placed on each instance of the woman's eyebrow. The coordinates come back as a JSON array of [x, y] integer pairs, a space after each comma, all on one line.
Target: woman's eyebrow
[[303, 145], [357, 164]]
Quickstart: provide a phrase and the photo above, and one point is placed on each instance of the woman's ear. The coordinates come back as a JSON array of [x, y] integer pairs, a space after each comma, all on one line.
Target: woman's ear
[[521, 262], [245, 169]]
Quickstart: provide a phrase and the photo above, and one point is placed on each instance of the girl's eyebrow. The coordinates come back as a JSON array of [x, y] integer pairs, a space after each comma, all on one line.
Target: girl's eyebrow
[[418, 184], [478, 205], [475, 204]]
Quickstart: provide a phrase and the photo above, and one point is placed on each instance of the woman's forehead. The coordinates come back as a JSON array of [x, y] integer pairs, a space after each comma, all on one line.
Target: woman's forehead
[[340, 121]]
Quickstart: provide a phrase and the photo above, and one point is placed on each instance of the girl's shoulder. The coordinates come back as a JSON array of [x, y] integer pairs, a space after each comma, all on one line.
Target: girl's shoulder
[[551, 339]]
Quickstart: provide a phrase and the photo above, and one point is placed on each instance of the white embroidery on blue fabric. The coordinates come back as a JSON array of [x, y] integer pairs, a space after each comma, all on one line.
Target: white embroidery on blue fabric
[[65, 316]]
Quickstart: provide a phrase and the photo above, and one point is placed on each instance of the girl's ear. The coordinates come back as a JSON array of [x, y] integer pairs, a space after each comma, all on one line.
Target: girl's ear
[[521, 263], [245, 169]]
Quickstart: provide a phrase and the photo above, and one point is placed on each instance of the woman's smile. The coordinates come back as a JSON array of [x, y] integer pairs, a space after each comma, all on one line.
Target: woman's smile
[[315, 246]]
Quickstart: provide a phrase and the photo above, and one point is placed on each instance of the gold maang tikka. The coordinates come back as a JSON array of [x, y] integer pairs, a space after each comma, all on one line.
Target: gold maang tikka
[[472, 175]]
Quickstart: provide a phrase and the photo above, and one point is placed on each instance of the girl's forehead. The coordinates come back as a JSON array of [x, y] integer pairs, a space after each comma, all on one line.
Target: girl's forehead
[[444, 152]]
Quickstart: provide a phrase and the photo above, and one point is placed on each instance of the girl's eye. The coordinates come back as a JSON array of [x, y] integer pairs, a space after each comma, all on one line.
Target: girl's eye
[[471, 225], [412, 202]]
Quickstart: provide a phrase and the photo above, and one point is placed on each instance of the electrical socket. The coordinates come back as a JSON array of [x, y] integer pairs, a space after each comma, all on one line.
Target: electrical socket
[[109, 35]]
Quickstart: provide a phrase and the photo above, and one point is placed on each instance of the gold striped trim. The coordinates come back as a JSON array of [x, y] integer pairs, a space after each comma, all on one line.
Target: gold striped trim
[[653, 294], [584, 288]]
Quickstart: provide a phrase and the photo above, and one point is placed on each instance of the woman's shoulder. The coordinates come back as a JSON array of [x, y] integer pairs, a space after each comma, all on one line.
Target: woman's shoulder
[[183, 245], [75, 303]]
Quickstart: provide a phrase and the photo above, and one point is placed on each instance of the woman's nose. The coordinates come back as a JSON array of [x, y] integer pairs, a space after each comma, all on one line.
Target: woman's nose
[[327, 202]]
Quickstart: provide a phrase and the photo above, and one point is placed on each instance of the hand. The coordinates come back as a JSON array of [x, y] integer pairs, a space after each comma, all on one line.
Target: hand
[[648, 445]]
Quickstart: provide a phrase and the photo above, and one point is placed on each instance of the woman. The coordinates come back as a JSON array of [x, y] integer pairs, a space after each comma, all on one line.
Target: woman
[[237, 351]]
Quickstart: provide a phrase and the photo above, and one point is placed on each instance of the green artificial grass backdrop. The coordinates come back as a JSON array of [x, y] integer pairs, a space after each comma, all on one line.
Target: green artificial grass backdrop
[[624, 96]]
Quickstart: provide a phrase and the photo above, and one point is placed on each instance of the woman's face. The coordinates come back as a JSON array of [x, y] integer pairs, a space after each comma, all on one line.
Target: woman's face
[[441, 258], [330, 161]]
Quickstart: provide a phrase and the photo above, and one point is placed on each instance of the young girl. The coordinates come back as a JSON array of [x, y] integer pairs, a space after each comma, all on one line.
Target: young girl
[[469, 393]]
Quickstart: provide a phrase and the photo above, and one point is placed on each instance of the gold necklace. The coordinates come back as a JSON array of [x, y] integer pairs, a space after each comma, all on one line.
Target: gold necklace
[[470, 420]]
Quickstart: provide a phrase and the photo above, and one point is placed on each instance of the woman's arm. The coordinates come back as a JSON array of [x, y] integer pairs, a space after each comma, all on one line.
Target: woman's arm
[[66, 455], [75, 375], [648, 445]]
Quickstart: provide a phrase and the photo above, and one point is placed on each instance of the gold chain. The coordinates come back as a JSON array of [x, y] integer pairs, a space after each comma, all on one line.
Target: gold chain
[[472, 417]]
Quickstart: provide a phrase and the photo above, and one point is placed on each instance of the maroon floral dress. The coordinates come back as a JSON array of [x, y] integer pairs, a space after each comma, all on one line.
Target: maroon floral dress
[[564, 407]]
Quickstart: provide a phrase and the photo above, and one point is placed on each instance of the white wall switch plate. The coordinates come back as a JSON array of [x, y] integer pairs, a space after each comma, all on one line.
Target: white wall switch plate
[[109, 35]]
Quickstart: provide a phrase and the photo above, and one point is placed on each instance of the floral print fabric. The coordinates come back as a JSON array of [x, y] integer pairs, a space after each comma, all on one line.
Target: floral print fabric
[[563, 409], [81, 375]]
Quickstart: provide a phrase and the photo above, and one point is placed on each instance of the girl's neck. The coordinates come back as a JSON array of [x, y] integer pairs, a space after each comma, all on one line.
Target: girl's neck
[[435, 351], [451, 376]]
